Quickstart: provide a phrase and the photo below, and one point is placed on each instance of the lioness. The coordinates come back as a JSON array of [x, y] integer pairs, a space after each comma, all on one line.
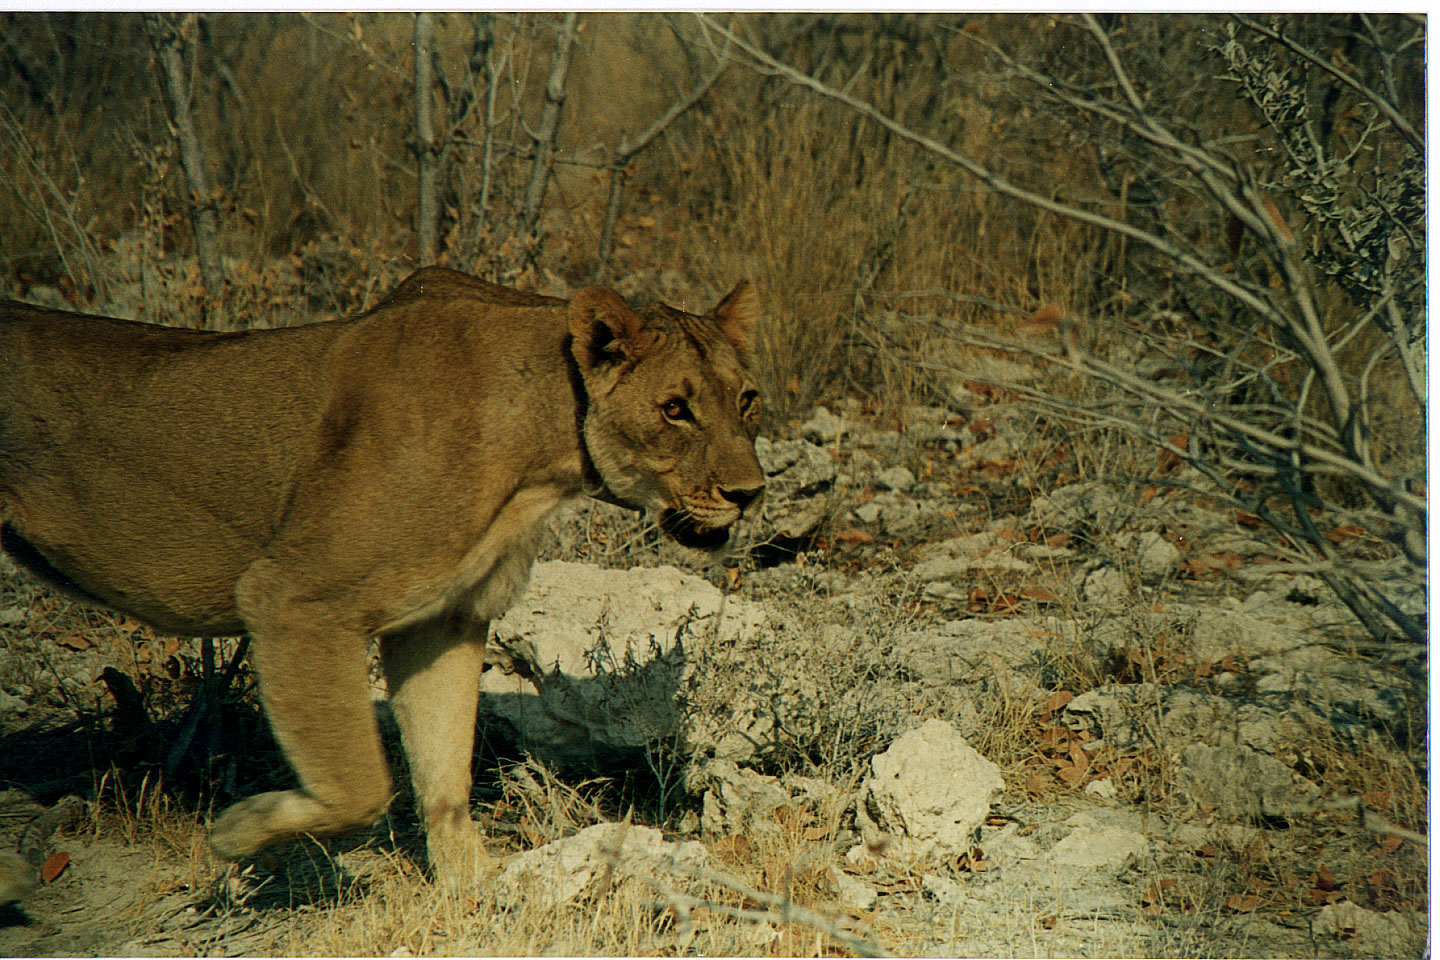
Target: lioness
[[388, 475]]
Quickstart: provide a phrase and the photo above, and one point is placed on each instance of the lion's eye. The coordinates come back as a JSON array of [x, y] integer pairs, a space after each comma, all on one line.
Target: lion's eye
[[749, 402], [677, 410]]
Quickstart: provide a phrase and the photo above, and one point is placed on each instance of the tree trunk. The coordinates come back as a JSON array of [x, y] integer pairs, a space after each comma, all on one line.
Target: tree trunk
[[548, 130], [427, 214], [171, 39]]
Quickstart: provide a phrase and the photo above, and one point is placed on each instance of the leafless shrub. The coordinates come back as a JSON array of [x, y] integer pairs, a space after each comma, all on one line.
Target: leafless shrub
[[1267, 380]]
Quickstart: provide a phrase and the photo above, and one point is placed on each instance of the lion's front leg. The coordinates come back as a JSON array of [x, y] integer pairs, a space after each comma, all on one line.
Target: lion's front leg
[[433, 671]]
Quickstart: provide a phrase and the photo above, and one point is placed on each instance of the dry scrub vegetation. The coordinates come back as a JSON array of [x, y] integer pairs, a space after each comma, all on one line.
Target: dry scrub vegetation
[[1190, 248]]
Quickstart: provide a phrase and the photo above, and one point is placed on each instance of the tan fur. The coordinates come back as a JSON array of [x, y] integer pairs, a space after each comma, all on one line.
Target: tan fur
[[388, 475]]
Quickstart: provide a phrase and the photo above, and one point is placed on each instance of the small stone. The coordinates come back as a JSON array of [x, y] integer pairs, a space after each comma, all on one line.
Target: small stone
[[895, 478], [1104, 789], [1095, 846], [1157, 556], [931, 790], [823, 427], [942, 889], [852, 890], [867, 512], [1104, 585]]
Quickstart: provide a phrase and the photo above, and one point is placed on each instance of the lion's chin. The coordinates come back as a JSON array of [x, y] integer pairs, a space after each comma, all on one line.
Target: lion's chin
[[686, 531]]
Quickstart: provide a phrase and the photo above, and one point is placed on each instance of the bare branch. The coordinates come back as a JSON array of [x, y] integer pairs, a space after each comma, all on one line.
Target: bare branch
[[1391, 112], [549, 129]]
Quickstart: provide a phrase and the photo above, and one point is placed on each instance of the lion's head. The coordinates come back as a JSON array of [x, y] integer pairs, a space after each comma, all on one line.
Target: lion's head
[[672, 409]]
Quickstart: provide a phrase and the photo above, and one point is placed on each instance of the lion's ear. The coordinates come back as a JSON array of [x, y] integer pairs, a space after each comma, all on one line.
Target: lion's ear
[[604, 332], [737, 315]]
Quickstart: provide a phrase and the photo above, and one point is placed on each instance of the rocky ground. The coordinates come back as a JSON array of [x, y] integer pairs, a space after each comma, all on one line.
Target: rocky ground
[[948, 698]]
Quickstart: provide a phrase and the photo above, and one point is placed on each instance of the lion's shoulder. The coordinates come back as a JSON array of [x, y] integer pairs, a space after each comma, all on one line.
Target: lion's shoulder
[[442, 283]]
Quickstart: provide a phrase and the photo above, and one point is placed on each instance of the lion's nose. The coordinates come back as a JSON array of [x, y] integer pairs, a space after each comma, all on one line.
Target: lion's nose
[[742, 497]]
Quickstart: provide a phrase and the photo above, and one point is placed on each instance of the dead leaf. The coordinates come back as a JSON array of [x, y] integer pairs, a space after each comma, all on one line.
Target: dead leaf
[[1390, 843], [733, 849], [1041, 322], [1036, 784], [1058, 540], [1207, 850], [1071, 774], [1323, 879], [1275, 218], [75, 642], [851, 536], [1005, 604], [1058, 699], [1246, 519], [1039, 595], [1348, 532], [1243, 902], [54, 866]]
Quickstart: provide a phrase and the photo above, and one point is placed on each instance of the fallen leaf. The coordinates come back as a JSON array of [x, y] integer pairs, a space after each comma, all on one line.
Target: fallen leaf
[[1376, 798], [732, 849], [852, 536], [1005, 604], [75, 642], [1058, 699], [1323, 879], [1207, 850], [54, 866], [1246, 519], [1071, 774], [1390, 843], [1040, 322], [1347, 532], [1039, 595], [1243, 902], [1036, 784]]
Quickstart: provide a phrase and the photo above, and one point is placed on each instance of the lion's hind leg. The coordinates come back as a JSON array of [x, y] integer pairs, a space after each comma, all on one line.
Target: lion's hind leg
[[314, 682], [433, 671]]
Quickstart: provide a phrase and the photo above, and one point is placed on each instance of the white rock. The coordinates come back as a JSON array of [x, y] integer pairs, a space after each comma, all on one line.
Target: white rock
[[1157, 556], [867, 512], [823, 426], [1089, 845], [1241, 782], [852, 890], [607, 651], [1104, 789], [1104, 585], [1007, 845], [895, 478], [1376, 934], [735, 798], [942, 889], [931, 790], [558, 872]]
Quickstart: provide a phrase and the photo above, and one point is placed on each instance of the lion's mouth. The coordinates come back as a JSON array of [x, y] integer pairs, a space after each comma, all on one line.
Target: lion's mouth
[[685, 530]]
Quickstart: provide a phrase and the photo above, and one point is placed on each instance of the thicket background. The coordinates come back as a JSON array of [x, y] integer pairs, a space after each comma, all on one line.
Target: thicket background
[[1237, 200]]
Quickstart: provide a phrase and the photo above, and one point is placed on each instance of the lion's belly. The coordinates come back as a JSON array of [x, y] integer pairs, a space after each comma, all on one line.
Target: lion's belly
[[198, 601]]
